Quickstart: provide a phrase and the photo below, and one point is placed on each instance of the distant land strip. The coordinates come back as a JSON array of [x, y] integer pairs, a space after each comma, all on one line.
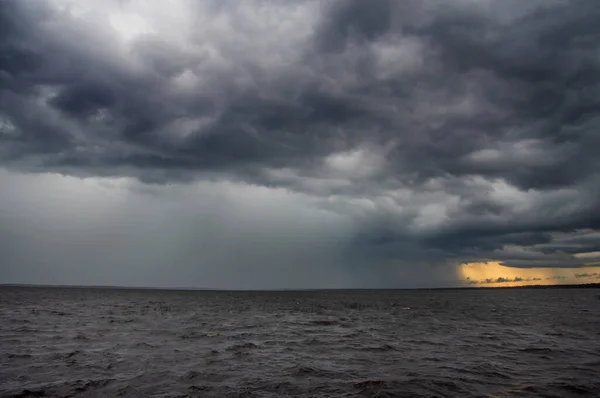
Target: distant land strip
[[556, 286]]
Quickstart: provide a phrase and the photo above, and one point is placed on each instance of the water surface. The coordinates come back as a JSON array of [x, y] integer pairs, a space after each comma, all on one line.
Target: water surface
[[429, 343]]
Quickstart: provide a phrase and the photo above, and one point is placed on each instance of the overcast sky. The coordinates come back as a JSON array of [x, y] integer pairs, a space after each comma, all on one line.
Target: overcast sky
[[296, 144]]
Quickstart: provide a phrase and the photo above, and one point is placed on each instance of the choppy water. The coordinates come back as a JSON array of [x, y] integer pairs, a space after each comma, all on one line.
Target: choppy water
[[95, 342]]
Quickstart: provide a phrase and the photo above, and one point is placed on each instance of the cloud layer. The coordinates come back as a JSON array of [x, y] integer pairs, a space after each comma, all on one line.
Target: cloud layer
[[433, 132]]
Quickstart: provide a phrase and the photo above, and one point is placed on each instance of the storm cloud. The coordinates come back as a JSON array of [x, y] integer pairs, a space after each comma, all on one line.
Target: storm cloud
[[381, 142]]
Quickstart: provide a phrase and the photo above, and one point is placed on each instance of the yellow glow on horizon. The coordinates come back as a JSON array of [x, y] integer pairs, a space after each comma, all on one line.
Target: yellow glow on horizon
[[494, 274]]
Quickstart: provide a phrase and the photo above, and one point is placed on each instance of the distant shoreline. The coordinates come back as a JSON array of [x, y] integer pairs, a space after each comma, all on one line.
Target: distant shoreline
[[200, 289]]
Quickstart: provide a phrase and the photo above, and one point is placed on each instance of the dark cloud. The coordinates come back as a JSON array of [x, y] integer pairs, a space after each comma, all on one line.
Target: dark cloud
[[505, 280], [455, 132], [588, 275], [518, 279], [489, 281], [346, 22]]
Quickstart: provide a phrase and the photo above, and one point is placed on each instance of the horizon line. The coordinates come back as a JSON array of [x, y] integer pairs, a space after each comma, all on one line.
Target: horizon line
[[206, 289]]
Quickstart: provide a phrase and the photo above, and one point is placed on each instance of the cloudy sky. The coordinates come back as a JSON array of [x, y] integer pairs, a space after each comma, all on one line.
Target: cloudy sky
[[299, 144]]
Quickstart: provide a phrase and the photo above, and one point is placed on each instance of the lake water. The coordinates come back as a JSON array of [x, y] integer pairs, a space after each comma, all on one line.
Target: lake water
[[424, 343]]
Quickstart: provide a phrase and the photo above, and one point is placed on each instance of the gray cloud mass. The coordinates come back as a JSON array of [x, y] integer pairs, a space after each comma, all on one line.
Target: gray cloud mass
[[423, 134]]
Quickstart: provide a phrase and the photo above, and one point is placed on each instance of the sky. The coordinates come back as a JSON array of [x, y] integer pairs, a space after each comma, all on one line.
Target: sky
[[299, 144]]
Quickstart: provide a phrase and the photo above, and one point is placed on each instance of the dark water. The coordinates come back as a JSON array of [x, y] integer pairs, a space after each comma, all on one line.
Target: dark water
[[94, 342]]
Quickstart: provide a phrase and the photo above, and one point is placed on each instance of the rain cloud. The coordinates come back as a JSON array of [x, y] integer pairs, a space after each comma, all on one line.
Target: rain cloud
[[296, 144]]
